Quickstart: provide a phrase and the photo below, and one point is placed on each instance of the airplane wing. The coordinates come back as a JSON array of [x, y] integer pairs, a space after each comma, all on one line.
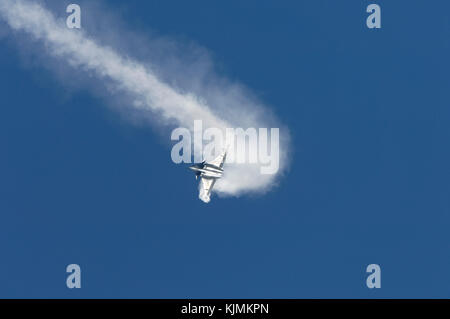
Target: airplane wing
[[205, 187], [219, 160]]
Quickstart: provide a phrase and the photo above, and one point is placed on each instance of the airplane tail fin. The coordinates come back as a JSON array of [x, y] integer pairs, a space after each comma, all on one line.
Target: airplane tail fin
[[204, 196]]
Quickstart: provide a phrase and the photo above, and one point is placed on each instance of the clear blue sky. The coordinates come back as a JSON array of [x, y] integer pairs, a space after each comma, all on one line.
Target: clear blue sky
[[369, 114]]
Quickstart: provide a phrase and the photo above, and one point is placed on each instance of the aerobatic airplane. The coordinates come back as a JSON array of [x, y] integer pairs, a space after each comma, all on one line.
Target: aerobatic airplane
[[209, 173]]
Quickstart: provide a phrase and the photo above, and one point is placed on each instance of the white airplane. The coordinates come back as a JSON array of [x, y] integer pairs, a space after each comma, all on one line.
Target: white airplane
[[209, 173]]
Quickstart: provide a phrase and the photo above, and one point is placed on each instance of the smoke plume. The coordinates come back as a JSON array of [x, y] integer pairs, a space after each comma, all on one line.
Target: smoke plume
[[149, 89]]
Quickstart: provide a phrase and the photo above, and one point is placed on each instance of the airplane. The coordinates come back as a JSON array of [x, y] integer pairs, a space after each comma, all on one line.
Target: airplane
[[209, 173]]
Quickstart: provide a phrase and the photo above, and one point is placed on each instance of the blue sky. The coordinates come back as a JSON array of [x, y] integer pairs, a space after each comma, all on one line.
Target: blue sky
[[368, 112]]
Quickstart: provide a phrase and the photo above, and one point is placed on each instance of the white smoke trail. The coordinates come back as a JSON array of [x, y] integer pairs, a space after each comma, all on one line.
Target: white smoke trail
[[141, 84]]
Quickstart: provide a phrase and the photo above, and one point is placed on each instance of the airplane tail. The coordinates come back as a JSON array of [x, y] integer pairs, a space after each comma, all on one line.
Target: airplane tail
[[204, 196]]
